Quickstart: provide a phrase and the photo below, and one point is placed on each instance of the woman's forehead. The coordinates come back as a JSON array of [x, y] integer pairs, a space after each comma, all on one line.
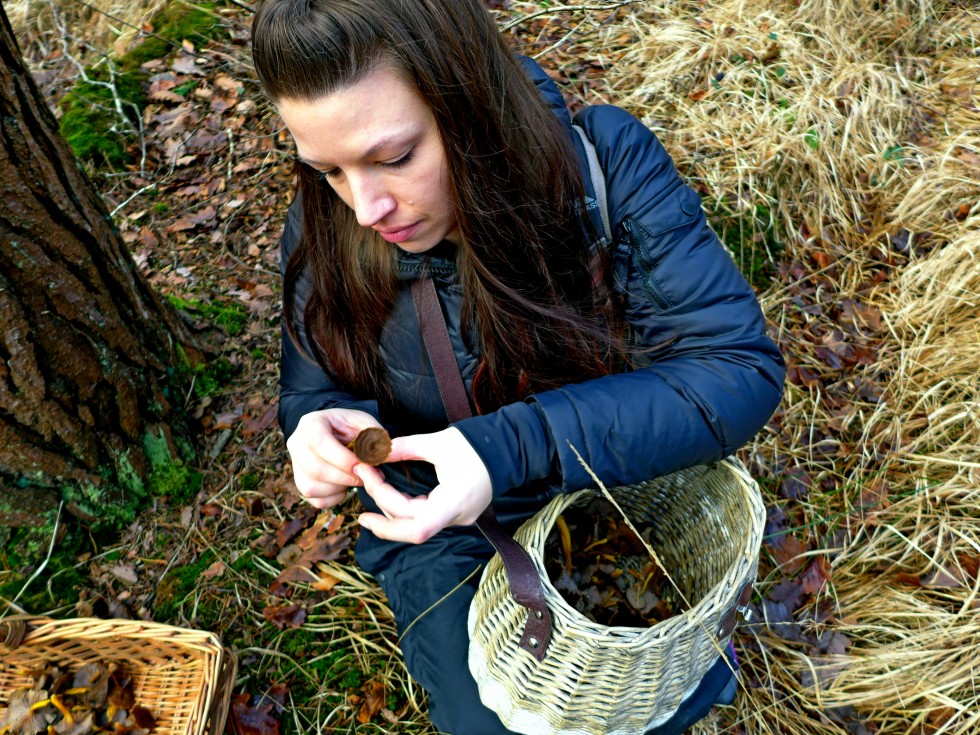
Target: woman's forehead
[[380, 111]]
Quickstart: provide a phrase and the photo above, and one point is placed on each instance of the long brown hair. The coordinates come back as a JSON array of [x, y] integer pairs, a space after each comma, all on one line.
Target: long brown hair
[[542, 317]]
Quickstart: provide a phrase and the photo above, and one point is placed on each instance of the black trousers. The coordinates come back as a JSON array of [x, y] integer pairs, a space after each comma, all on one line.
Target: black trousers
[[425, 588]]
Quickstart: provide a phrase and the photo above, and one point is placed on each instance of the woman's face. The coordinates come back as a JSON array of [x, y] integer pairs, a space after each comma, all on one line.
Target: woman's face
[[377, 145]]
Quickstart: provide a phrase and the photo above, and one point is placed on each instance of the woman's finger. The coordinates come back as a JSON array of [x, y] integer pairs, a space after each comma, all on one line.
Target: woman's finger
[[391, 502], [311, 489], [431, 517], [316, 470]]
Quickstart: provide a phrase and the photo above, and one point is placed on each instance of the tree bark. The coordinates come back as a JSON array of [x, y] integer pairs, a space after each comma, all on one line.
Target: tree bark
[[85, 345]]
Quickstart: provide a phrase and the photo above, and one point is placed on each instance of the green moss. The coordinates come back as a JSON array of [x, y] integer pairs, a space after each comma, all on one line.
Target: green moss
[[24, 550], [176, 22], [249, 481], [112, 507], [157, 449], [175, 588], [208, 378], [129, 478], [753, 239], [211, 378], [98, 122], [208, 611], [351, 679], [91, 121], [161, 208], [316, 667], [243, 563], [299, 643], [176, 481], [230, 317]]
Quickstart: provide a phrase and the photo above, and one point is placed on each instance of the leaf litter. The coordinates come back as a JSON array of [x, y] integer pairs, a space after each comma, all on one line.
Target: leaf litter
[[604, 571], [96, 698]]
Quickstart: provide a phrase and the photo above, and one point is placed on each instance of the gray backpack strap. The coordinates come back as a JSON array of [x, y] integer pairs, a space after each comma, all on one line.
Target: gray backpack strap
[[598, 182]]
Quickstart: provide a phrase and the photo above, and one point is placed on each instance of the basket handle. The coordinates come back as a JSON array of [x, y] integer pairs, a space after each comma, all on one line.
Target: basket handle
[[525, 584], [12, 631]]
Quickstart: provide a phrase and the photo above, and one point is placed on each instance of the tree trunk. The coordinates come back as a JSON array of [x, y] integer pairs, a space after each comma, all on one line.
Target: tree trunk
[[85, 346]]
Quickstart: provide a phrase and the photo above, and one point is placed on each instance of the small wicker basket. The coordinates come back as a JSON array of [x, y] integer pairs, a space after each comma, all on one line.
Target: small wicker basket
[[706, 526], [183, 677]]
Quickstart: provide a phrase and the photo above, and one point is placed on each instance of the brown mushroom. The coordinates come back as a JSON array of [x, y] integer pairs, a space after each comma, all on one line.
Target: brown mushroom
[[372, 446]]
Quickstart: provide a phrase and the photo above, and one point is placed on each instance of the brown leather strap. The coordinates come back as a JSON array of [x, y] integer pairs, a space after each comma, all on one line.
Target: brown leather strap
[[435, 334], [525, 584], [739, 609]]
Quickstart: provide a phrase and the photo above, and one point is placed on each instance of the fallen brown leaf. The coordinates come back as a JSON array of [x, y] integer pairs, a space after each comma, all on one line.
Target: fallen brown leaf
[[374, 699], [285, 616], [788, 552], [246, 719], [816, 575], [215, 570], [288, 530], [325, 582]]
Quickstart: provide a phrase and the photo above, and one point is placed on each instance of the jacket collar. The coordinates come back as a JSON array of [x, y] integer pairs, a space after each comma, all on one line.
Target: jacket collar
[[439, 262]]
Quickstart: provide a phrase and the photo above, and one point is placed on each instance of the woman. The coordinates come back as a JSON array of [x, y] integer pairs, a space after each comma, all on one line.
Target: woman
[[428, 150]]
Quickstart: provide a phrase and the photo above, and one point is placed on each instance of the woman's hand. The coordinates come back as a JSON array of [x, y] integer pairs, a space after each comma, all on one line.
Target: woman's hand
[[463, 492], [322, 463]]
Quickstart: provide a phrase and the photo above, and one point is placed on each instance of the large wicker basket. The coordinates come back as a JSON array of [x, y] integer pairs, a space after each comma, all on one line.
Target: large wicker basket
[[184, 677], [706, 527]]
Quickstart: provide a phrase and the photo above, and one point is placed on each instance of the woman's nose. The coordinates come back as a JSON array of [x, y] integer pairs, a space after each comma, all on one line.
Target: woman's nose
[[371, 201]]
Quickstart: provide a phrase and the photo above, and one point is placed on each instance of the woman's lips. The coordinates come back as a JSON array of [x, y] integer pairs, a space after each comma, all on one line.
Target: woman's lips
[[401, 234]]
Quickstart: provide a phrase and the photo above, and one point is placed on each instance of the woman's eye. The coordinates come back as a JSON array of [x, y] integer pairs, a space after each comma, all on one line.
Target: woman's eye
[[400, 162], [332, 173]]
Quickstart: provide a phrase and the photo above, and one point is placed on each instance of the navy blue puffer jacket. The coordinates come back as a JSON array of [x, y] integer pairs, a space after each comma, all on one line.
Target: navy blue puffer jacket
[[712, 380]]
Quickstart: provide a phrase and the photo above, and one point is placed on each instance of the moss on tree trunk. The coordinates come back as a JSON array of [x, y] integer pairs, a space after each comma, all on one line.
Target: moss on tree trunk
[[86, 346]]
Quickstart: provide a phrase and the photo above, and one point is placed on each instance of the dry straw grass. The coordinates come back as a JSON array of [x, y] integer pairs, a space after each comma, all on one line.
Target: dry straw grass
[[834, 117], [98, 26], [858, 130]]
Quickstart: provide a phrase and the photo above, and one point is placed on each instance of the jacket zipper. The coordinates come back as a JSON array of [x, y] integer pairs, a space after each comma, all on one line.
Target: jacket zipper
[[647, 268]]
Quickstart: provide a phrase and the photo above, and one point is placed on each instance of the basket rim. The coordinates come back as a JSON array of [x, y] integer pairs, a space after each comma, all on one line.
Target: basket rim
[[42, 628]]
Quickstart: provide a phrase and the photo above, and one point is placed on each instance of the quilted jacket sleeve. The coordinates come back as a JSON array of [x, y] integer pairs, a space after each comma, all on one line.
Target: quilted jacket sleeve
[[303, 385], [710, 377]]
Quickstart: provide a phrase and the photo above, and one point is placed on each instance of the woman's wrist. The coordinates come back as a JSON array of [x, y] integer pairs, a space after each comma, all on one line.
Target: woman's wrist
[[514, 444]]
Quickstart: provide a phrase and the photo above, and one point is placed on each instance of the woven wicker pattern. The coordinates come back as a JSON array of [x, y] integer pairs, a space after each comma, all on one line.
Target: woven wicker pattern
[[184, 677], [706, 526]]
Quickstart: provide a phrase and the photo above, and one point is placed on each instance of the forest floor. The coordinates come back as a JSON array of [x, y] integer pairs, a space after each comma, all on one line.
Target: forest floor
[[865, 615]]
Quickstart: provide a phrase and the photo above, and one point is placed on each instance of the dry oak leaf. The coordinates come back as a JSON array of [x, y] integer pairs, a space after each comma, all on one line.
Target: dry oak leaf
[[325, 582], [285, 616], [215, 570], [788, 552], [816, 575], [248, 720], [374, 700], [307, 539], [288, 530], [326, 549], [258, 417]]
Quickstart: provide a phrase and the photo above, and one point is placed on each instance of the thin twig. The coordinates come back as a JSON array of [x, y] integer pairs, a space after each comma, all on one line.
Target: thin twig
[[37, 572], [564, 9]]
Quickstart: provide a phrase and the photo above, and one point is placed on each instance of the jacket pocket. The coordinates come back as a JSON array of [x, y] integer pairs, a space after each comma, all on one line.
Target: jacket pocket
[[639, 265]]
